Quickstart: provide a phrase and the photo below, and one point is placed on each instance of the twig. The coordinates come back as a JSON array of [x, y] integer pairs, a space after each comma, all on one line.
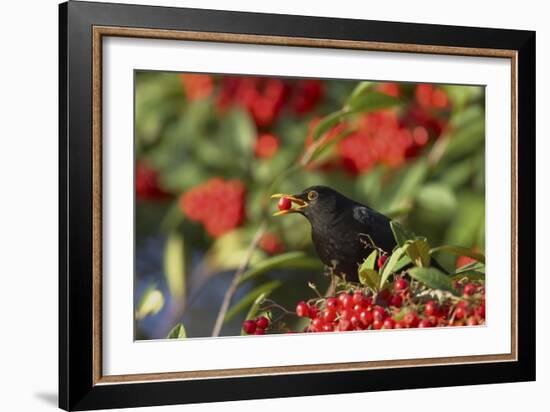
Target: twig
[[438, 150], [236, 278]]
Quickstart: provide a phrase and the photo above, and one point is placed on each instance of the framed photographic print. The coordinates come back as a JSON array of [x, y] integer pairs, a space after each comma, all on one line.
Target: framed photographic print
[[257, 205]]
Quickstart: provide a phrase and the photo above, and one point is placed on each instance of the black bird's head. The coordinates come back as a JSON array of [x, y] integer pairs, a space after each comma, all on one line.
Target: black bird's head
[[316, 203]]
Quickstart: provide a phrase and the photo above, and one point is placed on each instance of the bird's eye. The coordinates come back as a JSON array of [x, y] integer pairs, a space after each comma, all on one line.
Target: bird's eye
[[312, 195]]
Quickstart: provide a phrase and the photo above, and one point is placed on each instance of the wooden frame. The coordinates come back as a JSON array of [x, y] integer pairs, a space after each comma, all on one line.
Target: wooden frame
[[82, 27]]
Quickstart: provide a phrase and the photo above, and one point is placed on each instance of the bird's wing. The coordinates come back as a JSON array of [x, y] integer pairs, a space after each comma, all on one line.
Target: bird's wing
[[375, 225]]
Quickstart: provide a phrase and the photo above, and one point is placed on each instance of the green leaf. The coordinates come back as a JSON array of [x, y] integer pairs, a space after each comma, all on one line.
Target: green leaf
[[322, 149], [407, 186], [367, 274], [471, 275], [391, 263], [251, 297], [172, 218], [174, 264], [150, 303], [177, 332], [361, 88], [472, 266], [328, 122], [229, 250], [358, 103], [294, 260], [370, 261], [369, 185], [459, 251], [243, 131], [436, 201], [401, 314], [401, 233], [372, 101], [401, 263], [433, 278], [458, 173], [419, 251], [466, 139], [465, 227], [370, 278]]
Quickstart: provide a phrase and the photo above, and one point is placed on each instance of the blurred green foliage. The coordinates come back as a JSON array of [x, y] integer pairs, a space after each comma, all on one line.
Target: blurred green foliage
[[190, 129]]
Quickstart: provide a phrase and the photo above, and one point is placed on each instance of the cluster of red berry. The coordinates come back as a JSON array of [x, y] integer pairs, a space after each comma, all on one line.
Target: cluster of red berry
[[305, 95], [256, 326], [394, 309], [431, 97], [400, 306], [264, 98], [379, 138], [267, 145], [271, 243], [147, 183], [388, 136], [197, 86], [218, 204]]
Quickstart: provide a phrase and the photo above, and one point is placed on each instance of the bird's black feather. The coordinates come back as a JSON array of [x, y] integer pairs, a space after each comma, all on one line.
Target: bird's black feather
[[343, 230]]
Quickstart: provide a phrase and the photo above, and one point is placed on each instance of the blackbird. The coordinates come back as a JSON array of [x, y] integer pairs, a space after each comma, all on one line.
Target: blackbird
[[342, 230]]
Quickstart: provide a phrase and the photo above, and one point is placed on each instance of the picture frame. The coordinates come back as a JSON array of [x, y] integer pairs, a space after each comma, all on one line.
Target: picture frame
[[83, 27]]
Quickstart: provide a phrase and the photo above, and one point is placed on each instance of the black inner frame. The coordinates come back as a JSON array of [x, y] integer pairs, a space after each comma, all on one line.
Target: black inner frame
[[76, 389]]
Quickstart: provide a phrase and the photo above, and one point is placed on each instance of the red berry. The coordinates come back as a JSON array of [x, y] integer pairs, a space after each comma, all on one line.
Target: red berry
[[425, 323], [400, 325], [472, 321], [366, 317], [460, 313], [411, 319], [327, 327], [400, 284], [344, 325], [262, 322], [389, 323], [332, 304], [284, 203], [341, 297], [358, 298], [329, 315], [346, 302], [377, 324], [259, 332], [249, 327], [317, 324], [469, 289], [430, 309], [379, 313], [357, 308], [346, 314], [313, 312], [396, 300], [302, 309], [381, 260], [356, 322]]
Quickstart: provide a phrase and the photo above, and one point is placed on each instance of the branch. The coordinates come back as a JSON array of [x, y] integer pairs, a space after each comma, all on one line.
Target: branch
[[236, 279]]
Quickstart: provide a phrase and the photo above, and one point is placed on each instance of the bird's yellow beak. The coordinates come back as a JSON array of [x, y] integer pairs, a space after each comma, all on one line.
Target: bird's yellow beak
[[300, 204]]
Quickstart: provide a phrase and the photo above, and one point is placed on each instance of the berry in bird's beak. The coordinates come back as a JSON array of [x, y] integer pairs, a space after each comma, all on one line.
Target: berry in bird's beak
[[285, 204]]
